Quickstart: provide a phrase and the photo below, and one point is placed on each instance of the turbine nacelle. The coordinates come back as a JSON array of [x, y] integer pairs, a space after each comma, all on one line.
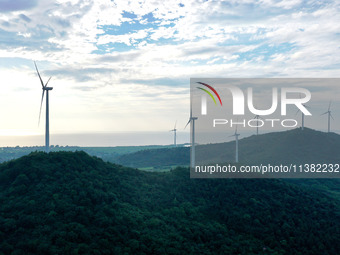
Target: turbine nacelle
[[329, 113], [236, 144], [190, 120], [235, 134], [174, 130]]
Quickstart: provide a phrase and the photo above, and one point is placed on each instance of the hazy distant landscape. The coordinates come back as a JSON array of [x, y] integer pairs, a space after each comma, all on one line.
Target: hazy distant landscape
[[292, 146], [111, 154], [98, 139]]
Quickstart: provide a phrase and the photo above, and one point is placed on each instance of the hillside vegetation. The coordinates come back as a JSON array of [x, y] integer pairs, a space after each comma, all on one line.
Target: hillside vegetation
[[293, 146], [105, 153], [289, 147], [71, 203], [165, 157]]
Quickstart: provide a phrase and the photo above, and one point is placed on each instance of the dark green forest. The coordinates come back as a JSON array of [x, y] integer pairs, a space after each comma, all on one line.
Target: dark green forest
[[72, 203]]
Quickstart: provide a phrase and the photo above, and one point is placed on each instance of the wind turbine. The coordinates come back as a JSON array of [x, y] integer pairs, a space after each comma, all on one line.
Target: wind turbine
[[329, 116], [236, 141], [174, 130], [45, 88], [257, 117], [302, 115], [192, 121]]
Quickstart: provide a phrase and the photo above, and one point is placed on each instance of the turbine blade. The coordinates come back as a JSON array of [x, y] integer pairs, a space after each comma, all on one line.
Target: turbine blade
[[324, 113], [236, 127], [175, 125], [329, 106], [42, 83], [297, 112], [47, 82], [42, 98], [331, 116], [191, 99], [187, 123], [190, 110]]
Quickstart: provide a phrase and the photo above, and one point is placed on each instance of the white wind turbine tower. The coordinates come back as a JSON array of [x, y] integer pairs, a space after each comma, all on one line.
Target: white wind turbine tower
[[192, 121], [174, 130], [302, 115], [329, 116], [47, 130], [236, 141]]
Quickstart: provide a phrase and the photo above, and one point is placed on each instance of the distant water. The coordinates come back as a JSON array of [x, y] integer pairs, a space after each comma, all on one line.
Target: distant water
[[106, 139], [111, 139], [98, 139]]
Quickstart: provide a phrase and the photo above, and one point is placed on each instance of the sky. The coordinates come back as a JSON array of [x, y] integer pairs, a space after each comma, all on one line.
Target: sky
[[125, 66]]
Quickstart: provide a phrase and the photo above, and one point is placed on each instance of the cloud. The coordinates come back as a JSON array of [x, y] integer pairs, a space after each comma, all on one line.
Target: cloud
[[128, 33], [128, 39], [119, 57], [17, 5], [104, 48], [80, 74], [158, 82], [24, 17]]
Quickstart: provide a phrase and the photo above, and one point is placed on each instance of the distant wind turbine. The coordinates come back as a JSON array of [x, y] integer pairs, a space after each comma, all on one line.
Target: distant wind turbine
[[192, 121], [302, 115], [236, 141], [45, 88], [257, 117], [329, 116], [174, 130]]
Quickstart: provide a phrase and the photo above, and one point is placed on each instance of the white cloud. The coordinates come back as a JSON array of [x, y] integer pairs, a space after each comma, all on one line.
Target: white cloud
[[76, 42]]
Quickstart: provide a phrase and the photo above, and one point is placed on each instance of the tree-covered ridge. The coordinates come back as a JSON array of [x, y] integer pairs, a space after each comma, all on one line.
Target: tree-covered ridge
[[164, 157], [294, 146], [106, 153], [289, 147], [71, 203]]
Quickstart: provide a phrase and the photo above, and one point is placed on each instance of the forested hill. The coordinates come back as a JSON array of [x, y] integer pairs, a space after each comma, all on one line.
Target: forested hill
[[156, 158], [294, 146], [71, 203]]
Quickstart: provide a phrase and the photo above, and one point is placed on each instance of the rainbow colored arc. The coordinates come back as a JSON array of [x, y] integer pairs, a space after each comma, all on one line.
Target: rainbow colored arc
[[209, 93]]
